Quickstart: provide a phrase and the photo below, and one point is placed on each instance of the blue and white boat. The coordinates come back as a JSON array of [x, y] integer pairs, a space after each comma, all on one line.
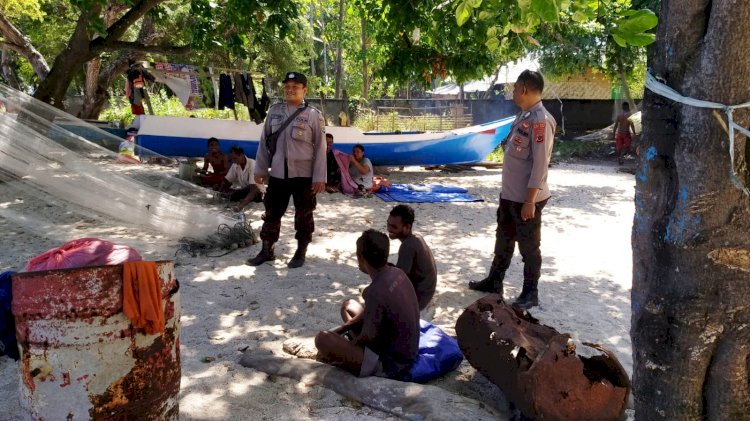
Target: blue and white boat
[[186, 137]]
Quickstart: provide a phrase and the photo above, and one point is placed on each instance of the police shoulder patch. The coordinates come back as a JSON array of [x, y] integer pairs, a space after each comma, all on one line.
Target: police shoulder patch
[[539, 132]]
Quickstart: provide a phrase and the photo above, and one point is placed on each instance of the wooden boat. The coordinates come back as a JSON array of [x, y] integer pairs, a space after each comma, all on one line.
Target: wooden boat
[[186, 137]]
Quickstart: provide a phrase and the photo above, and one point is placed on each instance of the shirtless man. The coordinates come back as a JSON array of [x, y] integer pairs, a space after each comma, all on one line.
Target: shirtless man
[[383, 340], [622, 133]]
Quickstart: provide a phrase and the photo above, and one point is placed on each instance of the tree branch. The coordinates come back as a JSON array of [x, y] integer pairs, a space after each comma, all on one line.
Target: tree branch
[[16, 41], [142, 48], [118, 29]]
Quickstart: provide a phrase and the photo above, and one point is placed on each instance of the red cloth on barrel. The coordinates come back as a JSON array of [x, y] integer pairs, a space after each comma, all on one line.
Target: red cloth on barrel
[[141, 296], [83, 252]]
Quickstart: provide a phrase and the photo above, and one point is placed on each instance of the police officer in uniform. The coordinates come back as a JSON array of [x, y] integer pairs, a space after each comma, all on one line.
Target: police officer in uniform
[[297, 168], [528, 149]]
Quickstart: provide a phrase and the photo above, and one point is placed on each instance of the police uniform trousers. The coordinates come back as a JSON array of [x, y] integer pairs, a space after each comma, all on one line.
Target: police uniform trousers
[[277, 200], [511, 229]]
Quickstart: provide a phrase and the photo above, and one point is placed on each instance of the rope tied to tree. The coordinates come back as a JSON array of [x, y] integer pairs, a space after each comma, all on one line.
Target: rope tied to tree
[[660, 88]]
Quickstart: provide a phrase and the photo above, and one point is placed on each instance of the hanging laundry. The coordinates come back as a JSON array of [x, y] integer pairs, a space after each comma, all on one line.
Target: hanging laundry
[[182, 79], [254, 105], [226, 93], [265, 101], [240, 91]]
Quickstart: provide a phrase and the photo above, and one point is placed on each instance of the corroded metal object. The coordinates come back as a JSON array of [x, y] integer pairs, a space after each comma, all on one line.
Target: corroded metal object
[[543, 372], [81, 358]]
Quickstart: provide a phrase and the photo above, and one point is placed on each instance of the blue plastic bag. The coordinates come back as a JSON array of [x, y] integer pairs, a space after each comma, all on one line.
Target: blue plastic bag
[[438, 354]]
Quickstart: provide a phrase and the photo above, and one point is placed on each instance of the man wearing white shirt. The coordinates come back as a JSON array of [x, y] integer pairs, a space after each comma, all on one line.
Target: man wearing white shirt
[[241, 174]]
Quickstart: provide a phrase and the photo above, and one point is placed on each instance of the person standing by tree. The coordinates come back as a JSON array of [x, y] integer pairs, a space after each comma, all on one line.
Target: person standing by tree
[[528, 149], [292, 146], [621, 133]]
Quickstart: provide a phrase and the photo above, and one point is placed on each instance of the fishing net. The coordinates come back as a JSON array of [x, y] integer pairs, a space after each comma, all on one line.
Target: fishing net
[[45, 159]]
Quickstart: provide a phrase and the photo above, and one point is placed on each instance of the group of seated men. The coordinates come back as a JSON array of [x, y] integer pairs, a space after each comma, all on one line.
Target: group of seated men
[[239, 174], [237, 182], [381, 338]]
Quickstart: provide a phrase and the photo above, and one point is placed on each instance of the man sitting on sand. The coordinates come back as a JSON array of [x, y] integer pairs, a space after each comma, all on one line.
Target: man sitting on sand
[[333, 182], [414, 256], [383, 340], [241, 173]]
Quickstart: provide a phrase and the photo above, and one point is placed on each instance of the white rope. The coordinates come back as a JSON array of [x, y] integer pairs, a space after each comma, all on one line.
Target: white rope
[[661, 89]]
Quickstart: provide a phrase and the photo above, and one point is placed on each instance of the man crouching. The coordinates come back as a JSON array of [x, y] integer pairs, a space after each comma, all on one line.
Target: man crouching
[[382, 340]]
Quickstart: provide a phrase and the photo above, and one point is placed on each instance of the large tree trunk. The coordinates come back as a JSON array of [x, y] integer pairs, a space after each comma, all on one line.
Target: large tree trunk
[[94, 99], [691, 247], [67, 64], [82, 48]]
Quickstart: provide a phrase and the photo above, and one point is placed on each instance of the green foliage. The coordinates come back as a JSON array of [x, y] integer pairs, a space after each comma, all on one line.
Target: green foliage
[[497, 155], [119, 110], [587, 38], [630, 29], [28, 9]]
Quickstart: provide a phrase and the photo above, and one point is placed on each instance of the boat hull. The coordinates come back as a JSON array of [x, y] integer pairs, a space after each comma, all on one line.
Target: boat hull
[[170, 136]]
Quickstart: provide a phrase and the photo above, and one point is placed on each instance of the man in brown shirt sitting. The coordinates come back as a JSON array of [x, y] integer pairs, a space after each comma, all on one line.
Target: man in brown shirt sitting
[[383, 339], [414, 256]]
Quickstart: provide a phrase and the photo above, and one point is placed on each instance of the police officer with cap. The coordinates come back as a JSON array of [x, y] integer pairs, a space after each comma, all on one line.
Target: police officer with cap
[[293, 165], [528, 149]]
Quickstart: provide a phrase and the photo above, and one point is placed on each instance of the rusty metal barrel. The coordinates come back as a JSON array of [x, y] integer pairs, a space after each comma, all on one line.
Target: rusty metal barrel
[[80, 356]]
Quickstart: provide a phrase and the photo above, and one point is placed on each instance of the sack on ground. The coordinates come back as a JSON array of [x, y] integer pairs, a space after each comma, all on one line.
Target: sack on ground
[[438, 354]]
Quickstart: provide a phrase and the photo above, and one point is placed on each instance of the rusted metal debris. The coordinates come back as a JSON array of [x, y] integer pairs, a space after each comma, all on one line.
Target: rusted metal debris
[[543, 372], [80, 356]]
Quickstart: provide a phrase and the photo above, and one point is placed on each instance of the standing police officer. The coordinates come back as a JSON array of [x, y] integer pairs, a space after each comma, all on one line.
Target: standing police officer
[[297, 162], [528, 149]]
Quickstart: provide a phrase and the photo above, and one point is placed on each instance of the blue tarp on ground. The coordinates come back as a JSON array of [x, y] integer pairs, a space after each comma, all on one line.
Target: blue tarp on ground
[[424, 193]]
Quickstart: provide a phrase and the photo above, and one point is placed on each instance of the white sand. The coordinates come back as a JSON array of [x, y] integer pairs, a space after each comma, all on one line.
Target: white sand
[[229, 307]]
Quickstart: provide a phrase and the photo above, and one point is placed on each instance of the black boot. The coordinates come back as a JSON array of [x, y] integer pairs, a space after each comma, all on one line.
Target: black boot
[[529, 296], [493, 283], [265, 255], [299, 256]]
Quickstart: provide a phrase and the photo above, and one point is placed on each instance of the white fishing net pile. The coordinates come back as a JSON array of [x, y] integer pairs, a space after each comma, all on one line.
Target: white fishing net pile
[[41, 159]]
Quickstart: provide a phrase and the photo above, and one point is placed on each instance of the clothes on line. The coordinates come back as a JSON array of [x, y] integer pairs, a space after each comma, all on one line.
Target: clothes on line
[[183, 80]]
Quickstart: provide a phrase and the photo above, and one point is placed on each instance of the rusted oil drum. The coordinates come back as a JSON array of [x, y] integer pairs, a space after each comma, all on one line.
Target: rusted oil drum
[[80, 356]]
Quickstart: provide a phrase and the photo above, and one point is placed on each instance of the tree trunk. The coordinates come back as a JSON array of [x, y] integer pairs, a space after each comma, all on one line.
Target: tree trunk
[[95, 96], [67, 64], [312, 39], [626, 89], [691, 248], [365, 81], [13, 38], [339, 71], [9, 71]]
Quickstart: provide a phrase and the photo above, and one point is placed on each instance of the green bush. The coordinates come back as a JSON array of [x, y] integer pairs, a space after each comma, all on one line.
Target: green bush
[[120, 110]]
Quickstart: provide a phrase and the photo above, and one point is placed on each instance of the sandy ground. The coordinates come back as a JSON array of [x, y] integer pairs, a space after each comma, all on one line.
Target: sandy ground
[[229, 307]]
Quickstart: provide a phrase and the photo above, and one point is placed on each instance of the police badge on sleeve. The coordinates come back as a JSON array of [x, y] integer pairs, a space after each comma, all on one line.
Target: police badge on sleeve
[[539, 130]]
